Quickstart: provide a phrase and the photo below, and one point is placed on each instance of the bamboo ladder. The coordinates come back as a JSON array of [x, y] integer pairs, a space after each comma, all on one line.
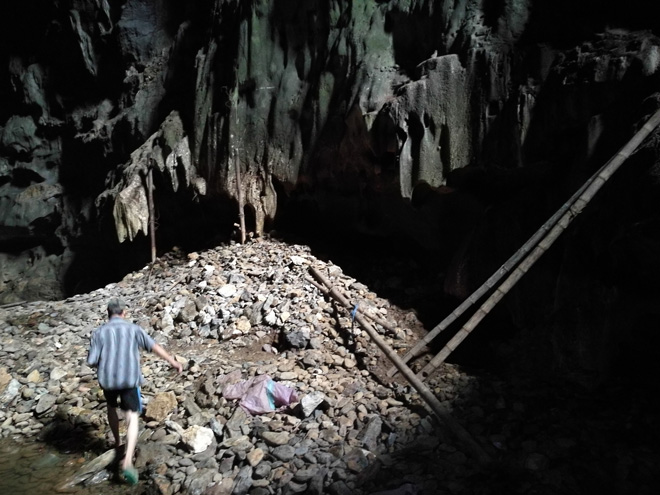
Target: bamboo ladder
[[527, 255]]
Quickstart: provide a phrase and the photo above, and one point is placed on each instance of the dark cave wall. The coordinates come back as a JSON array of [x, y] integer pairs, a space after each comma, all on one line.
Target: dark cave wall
[[453, 127]]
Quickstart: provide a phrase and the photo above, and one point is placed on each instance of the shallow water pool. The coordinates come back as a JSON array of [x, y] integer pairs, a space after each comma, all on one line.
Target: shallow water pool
[[35, 468]]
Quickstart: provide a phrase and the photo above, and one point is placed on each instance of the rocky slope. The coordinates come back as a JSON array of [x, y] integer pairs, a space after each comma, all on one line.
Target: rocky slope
[[249, 310]]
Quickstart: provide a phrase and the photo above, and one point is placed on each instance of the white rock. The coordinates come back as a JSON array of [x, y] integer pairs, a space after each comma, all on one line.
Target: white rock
[[298, 260], [311, 401], [243, 325], [167, 321], [57, 373], [271, 318], [227, 290], [197, 438]]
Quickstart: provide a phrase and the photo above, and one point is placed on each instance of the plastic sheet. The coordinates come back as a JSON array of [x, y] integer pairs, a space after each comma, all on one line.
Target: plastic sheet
[[260, 394]]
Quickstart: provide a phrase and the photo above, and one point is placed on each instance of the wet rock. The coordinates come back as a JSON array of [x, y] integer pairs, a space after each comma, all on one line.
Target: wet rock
[[98, 478], [92, 468]]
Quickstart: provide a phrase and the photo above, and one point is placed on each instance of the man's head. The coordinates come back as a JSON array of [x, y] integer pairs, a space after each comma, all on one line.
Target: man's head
[[116, 307]]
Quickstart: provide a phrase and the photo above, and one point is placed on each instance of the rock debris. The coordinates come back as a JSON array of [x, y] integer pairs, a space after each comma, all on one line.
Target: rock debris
[[237, 312]]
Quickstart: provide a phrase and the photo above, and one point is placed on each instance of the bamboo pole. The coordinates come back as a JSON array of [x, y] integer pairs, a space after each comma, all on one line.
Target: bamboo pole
[[239, 194], [452, 425], [593, 185], [373, 318], [152, 220], [506, 268], [13, 304]]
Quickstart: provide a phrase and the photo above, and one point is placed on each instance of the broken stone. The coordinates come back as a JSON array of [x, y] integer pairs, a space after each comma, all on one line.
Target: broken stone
[[197, 438], [161, 406]]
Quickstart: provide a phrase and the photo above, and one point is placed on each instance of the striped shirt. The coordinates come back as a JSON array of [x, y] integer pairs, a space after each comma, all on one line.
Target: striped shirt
[[115, 349]]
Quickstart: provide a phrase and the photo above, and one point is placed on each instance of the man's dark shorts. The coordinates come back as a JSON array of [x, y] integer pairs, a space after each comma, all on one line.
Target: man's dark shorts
[[130, 399]]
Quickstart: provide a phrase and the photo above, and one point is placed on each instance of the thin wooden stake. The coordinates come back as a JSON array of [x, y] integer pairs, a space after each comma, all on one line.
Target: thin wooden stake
[[239, 194], [373, 318], [152, 220], [593, 185], [11, 305], [452, 425]]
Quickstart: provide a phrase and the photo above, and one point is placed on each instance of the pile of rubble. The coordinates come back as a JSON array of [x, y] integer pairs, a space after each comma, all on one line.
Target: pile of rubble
[[250, 313], [238, 311]]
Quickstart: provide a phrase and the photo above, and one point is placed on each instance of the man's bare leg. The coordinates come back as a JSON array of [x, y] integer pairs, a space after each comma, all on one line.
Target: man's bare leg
[[132, 420], [113, 420]]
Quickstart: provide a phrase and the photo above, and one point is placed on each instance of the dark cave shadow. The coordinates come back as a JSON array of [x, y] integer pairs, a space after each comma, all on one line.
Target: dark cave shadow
[[80, 440], [72, 439]]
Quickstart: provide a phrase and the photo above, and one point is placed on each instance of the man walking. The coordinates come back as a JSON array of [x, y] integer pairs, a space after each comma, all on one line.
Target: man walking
[[115, 349]]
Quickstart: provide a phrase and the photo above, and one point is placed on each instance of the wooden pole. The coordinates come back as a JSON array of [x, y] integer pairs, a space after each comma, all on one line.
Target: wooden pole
[[452, 425], [152, 220], [593, 186], [373, 318], [239, 195], [13, 304]]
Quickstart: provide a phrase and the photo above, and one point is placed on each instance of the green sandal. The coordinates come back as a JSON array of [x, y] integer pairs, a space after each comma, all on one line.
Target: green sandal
[[131, 475]]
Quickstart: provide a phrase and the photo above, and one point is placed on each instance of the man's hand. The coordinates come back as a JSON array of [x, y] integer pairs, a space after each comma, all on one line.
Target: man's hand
[[159, 351]]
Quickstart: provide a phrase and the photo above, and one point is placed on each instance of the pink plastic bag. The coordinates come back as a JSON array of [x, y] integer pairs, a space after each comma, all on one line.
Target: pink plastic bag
[[260, 394]]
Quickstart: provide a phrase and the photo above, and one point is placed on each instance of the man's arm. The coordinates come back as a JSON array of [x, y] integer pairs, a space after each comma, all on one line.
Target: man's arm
[[159, 351], [94, 350]]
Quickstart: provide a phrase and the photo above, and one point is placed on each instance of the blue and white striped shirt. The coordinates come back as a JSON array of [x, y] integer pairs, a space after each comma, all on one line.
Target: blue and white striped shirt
[[115, 348]]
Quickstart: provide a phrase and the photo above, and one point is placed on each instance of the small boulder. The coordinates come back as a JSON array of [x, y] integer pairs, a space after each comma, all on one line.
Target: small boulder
[[197, 438], [161, 406]]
